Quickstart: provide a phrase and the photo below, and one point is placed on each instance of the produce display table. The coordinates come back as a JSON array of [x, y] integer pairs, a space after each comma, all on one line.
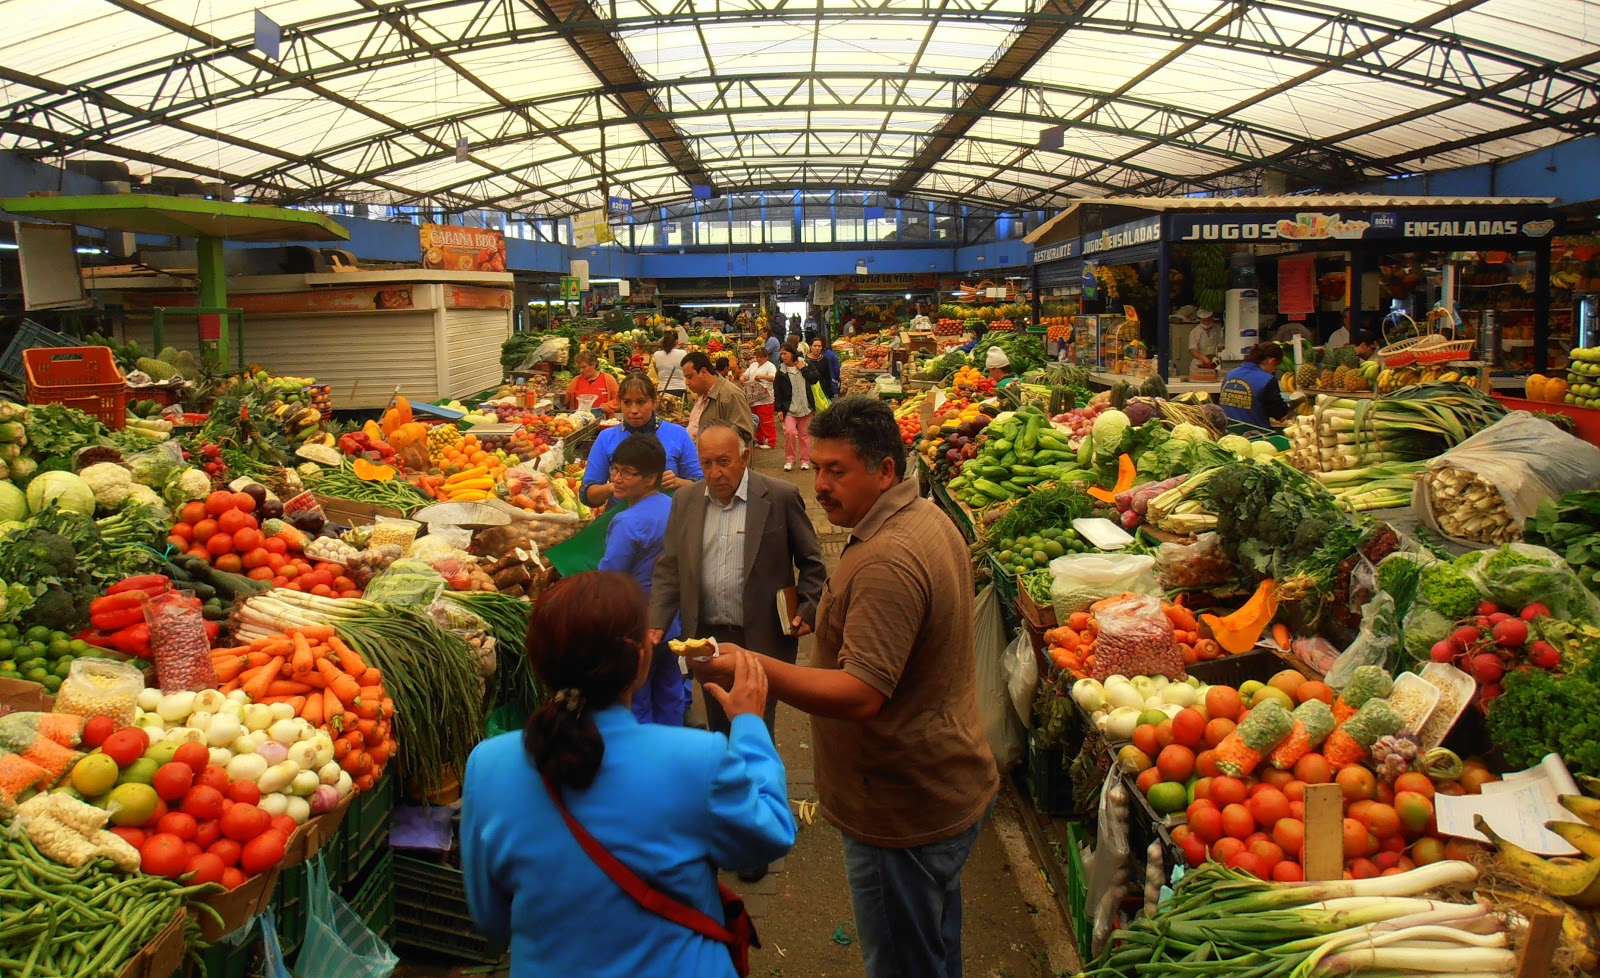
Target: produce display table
[[1105, 381]]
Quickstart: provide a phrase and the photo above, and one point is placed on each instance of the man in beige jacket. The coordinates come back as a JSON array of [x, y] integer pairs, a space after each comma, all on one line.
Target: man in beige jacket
[[716, 398]]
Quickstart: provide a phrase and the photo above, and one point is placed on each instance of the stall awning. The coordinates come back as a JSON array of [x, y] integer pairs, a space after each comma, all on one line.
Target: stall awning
[[180, 217]]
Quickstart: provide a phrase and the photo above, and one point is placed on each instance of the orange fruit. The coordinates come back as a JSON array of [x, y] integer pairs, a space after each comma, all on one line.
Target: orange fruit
[[1312, 689], [219, 502], [1381, 820], [1288, 680], [228, 562], [1414, 781], [1222, 703], [1144, 738], [1357, 783], [1354, 838]]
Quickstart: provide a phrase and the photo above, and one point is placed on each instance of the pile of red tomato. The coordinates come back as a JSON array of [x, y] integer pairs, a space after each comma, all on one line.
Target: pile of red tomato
[[223, 531]]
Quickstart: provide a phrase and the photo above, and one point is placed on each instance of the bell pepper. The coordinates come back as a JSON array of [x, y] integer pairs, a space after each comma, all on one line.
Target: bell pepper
[[115, 621], [134, 640], [152, 584]]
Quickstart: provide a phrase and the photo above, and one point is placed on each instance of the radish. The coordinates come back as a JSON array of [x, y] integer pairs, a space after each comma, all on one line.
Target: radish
[[1535, 610], [1487, 608], [1498, 617], [1444, 651], [1544, 655], [1511, 633], [1466, 635], [1486, 669]]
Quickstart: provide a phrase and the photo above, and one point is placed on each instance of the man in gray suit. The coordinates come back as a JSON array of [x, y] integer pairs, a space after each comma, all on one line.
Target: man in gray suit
[[734, 541]]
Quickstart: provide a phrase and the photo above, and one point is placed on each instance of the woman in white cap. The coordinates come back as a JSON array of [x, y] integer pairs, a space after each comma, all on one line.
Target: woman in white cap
[[1205, 342], [999, 367]]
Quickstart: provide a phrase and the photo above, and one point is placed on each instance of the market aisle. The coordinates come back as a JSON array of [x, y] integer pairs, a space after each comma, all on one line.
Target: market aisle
[[1012, 928]]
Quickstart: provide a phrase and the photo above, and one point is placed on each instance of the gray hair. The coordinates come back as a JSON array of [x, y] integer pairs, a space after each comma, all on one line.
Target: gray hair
[[743, 436]]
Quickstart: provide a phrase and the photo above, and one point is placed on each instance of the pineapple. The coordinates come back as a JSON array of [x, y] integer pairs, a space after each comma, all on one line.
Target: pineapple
[[1306, 375], [1325, 379]]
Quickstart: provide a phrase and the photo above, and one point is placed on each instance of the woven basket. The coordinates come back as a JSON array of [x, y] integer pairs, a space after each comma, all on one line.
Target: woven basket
[[1401, 352]]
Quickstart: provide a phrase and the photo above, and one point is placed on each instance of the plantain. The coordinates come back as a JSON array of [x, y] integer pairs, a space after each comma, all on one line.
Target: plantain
[[1590, 785], [1576, 925], [1584, 807], [1582, 836], [1577, 881]]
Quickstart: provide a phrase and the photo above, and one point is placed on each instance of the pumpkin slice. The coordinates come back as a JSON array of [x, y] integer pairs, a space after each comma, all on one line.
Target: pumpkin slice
[[368, 472], [1126, 473], [1238, 633]]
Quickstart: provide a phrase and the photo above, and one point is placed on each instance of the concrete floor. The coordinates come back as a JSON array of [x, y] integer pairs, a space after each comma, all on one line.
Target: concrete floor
[[1012, 927]]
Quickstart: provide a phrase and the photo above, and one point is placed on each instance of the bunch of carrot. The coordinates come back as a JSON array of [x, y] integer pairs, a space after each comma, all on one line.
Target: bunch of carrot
[[327, 683]]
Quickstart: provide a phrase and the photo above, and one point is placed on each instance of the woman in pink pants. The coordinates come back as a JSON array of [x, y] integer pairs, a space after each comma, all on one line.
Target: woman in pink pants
[[795, 404]]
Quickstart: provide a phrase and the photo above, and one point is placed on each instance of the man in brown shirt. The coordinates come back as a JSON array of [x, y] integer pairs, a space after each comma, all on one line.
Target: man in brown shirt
[[902, 764], [716, 398]]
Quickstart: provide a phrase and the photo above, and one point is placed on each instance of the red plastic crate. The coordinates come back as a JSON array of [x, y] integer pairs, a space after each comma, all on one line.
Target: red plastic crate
[[82, 377]]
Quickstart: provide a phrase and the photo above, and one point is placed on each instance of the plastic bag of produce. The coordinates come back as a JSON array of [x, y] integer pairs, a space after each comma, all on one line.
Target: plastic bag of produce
[[1520, 574], [994, 698], [154, 466], [441, 541], [1197, 564], [407, 581], [103, 688], [1482, 490], [387, 530], [1022, 676], [1373, 644], [1079, 580], [178, 643], [338, 944], [1135, 639]]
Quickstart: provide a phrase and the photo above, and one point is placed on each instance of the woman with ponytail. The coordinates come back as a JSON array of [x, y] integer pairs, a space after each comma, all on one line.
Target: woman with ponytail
[[670, 804]]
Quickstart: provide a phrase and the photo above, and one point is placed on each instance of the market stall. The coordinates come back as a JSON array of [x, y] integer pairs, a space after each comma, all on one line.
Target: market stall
[[1308, 659]]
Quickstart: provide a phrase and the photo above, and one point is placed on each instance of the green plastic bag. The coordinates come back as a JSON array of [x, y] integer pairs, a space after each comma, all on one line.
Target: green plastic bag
[[582, 551], [339, 944]]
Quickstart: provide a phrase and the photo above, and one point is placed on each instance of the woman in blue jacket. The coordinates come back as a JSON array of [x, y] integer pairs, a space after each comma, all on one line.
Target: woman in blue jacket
[[671, 804], [1250, 392], [638, 398]]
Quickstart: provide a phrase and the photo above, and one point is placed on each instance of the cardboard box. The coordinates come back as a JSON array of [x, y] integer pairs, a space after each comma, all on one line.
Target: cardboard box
[[163, 955], [314, 834], [1042, 617], [238, 907], [22, 696], [348, 512]]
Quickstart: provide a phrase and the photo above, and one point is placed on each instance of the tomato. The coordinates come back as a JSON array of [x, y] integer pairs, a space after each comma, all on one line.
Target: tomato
[[244, 792], [324, 591], [284, 824], [289, 570], [205, 530], [162, 855], [253, 557], [191, 849], [274, 545], [99, 728], [207, 833], [180, 824], [342, 584], [263, 852], [260, 573], [244, 822], [132, 836], [227, 850], [214, 777], [196, 756], [233, 521], [232, 878], [192, 512], [203, 801], [220, 544], [183, 531], [205, 868], [244, 502], [126, 745], [276, 561], [229, 563], [219, 502], [172, 780]]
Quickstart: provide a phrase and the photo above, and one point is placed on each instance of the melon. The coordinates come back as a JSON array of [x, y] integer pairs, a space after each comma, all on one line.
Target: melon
[[1535, 390], [1555, 390]]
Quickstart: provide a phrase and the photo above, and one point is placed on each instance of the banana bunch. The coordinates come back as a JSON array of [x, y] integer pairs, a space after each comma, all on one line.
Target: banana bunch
[[1566, 885], [1394, 378], [301, 424]]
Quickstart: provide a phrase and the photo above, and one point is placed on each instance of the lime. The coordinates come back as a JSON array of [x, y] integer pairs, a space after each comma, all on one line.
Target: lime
[[37, 633], [59, 647], [62, 668], [7, 648], [36, 675], [137, 803], [78, 646], [1053, 548], [1006, 556], [1040, 557], [38, 649], [1167, 797], [1051, 534], [8, 668], [140, 771], [8, 631], [52, 683], [37, 662]]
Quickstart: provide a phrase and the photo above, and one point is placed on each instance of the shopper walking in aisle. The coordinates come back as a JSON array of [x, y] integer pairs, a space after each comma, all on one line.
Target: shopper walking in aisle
[[1250, 392], [633, 544], [734, 543], [638, 399], [670, 805], [758, 379], [668, 363], [796, 403], [594, 383], [903, 767], [826, 363], [773, 344], [715, 397]]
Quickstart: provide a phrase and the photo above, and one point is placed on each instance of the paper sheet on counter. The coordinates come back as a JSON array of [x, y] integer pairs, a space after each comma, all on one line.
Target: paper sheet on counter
[[1516, 808]]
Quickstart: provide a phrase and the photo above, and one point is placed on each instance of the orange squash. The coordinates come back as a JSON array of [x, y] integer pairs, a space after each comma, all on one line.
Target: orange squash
[[368, 472], [1126, 473], [1555, 390], [399, 413], [1238, 633]]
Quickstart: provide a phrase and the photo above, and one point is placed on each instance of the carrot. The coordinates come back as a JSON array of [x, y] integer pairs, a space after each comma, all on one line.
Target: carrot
[[368, 710], [1078, 620], [229, 686], [272, 645], [332, 710], [341, 749], [372, 693], [302, 661], [228, 668], [320, 634], [349, 659], [387, 707], [287, 687], [372, 677], [256, 681], [367, 729], [225, 653], [312, 712], [379, 752], [341, 683]]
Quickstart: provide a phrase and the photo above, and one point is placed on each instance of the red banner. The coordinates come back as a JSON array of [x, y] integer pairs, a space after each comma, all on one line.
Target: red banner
[[1297, 286], [462, 249]]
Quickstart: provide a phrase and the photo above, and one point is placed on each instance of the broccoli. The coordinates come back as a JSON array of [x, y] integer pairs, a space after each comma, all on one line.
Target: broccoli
[[1448, 590], [51, 554], [60, 609]]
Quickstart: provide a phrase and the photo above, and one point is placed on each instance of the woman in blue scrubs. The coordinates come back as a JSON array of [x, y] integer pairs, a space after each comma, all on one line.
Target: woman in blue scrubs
[[638, 397]]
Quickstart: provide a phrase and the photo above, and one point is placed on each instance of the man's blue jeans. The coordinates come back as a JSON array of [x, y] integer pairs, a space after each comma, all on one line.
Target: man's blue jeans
[[908, 905]]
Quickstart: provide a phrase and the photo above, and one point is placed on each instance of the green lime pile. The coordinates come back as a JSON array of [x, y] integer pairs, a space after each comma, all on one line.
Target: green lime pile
[[40, 655], [1022, 554]]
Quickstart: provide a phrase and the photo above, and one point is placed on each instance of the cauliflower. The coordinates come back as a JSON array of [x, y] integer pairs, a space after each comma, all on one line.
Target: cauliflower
[[146, 496], [186, 486], [110, 483]]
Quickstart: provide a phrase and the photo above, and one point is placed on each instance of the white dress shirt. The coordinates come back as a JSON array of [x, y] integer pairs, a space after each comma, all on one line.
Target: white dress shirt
[[722, 567]]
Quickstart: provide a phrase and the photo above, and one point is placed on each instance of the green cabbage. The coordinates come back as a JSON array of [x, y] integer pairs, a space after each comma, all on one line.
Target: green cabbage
[[1108, 428], [13, 504], [1190, 432], [1237, 444], [61, 489]]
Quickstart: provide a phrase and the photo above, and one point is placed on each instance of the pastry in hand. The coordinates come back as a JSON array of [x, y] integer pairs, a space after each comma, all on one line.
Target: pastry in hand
[[692, 646]]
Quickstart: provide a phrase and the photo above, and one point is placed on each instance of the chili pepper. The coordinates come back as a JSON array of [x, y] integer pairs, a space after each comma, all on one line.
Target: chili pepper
[[117, 619], [153, 583]]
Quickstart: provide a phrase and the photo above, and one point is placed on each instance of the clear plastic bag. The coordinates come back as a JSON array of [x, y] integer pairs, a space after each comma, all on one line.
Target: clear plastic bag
[[371, 562], [339, 944], [407, 581], [101, 688], [178, 643], [994, 698], [1079, 580], [1524, 458], [441, 541], [387, 530], [1136, 639], [1197, 564], [1022, 676], [1519, 574], [1373, 644], [154, 466]]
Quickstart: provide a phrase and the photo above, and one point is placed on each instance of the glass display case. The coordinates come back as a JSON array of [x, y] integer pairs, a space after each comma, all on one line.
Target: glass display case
[[1096, 342]]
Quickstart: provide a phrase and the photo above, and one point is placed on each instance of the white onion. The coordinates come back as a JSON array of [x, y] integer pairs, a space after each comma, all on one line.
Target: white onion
[[1088, 694], [1124, 695]]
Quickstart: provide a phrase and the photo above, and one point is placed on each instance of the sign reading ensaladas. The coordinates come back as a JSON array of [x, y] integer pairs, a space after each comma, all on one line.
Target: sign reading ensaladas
[[462, 249]]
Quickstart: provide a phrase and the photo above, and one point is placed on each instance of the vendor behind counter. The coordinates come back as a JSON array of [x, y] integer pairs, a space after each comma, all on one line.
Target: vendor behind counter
[[1250, 392]]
